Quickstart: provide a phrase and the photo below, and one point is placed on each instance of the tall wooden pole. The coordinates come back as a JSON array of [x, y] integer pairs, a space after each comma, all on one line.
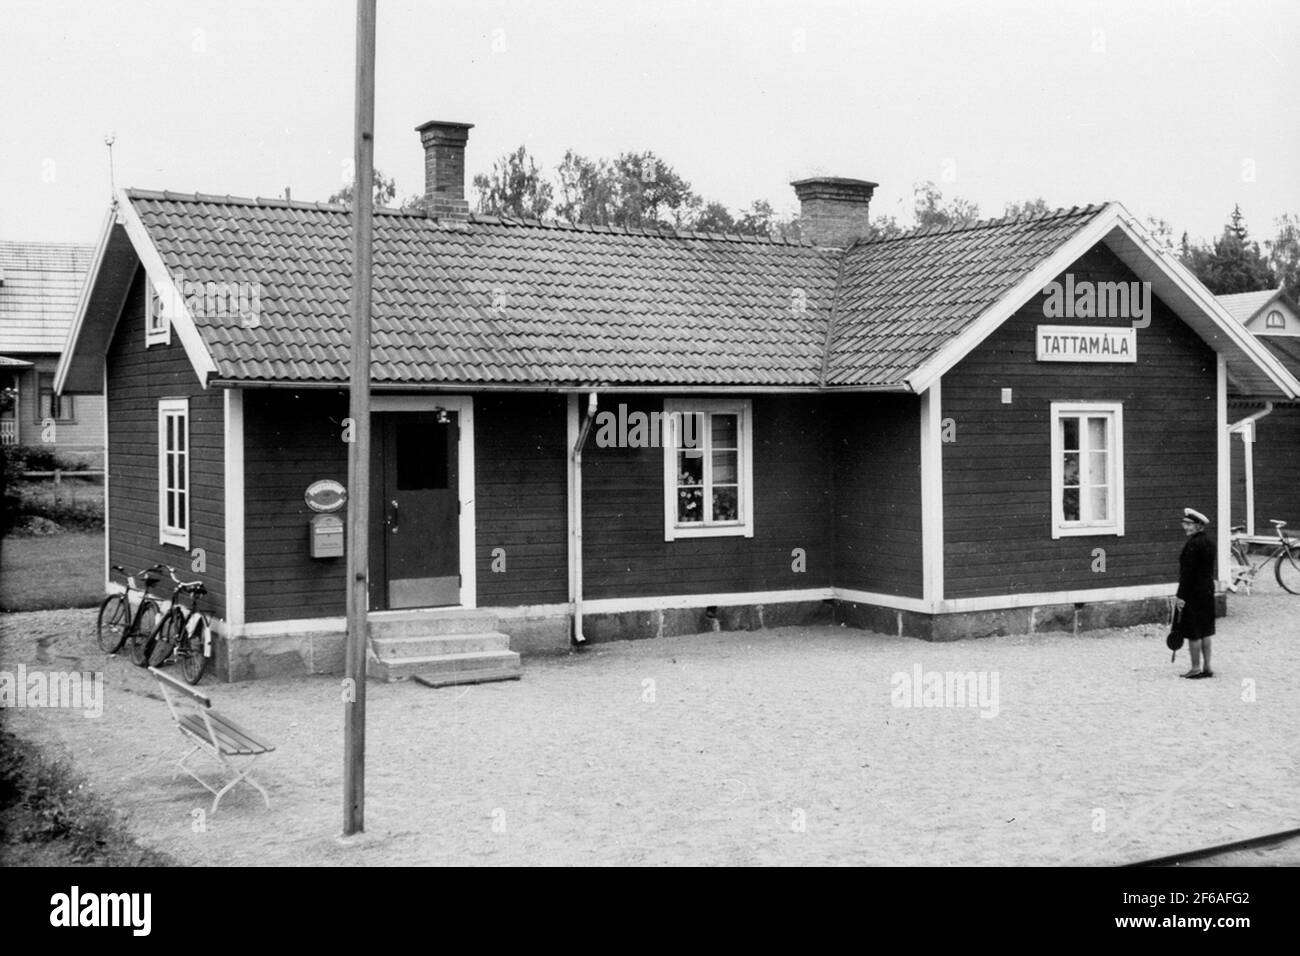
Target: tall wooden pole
[[354, 714]]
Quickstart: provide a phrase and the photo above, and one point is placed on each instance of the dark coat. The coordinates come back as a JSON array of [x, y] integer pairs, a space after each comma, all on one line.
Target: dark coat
[[1196, 586]]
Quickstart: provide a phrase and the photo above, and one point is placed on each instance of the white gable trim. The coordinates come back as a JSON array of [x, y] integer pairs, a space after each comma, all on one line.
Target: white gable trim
[[174, 304], [1113, 217], [83, 303]]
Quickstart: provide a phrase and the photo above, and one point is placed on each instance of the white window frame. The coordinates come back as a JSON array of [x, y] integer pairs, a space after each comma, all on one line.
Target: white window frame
[[1115, 525], [157, 326], [674, 409], [177, 534], [1279, 324]]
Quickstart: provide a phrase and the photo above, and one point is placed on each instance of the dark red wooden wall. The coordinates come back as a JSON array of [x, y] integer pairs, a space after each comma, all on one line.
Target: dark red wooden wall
[[138, 378], [997, 472]]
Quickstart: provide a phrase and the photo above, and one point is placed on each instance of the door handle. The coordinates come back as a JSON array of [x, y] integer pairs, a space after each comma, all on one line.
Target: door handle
[[394, 516]]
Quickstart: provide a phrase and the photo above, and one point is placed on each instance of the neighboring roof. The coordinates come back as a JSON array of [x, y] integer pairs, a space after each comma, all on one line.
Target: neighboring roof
[[40, 283], [1244, 306], [514, 303], [7, 362], [1287, 350]]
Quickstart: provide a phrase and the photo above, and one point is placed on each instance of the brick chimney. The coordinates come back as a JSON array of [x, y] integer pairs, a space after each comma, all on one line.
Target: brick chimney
[[444, 168], [833, 211]]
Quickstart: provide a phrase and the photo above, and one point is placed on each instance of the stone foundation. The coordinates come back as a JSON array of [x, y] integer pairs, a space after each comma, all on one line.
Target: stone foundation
[[531, 635]]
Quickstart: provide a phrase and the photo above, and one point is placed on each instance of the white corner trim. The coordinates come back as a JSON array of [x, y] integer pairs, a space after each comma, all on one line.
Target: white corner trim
[[233, 440], [1024, 290], [174, 305], [83, 303], [108, 477], [932, 493], [1223, 520], [571, 432], [463, 406]]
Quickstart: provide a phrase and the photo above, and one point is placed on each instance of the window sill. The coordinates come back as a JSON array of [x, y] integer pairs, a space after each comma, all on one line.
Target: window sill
[[1109, 531], [710, 531]]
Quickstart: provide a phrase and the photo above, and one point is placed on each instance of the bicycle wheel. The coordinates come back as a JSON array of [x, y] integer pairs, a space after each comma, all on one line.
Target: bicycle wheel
[[1287, 570], [142, 637], [166, 636], [190, 650], [110, 629]]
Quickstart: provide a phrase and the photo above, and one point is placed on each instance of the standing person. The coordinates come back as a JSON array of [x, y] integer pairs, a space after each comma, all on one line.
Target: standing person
[[1195, 598]]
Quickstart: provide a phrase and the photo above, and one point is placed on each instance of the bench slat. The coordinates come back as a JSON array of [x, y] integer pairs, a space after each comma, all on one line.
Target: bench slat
[[232, 744], [224, 726], [180, 687]]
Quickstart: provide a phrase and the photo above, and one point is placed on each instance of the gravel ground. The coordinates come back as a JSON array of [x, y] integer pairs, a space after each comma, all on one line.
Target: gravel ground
[[787, 746]]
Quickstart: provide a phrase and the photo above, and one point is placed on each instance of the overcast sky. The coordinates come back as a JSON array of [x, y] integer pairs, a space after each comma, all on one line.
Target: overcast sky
[[1177, 108]]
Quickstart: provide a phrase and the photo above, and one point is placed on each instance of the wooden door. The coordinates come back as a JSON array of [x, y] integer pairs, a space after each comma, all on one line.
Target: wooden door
[[415, 510]]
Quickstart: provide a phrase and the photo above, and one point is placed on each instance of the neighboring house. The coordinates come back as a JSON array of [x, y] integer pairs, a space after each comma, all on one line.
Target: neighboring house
[[40, 287], [921, 435], [1266, 454]]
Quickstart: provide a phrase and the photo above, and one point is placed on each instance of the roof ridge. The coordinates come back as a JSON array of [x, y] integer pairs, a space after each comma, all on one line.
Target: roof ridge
[[926, 231], [664, 232]]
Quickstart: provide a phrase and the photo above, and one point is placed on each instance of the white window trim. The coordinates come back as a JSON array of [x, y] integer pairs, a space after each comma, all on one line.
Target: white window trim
[[674, 408], [1114, 527], [173, 535], [153, 336]]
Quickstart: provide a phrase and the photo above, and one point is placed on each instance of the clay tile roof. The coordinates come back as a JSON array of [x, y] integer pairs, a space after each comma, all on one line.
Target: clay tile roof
[[493, 300]]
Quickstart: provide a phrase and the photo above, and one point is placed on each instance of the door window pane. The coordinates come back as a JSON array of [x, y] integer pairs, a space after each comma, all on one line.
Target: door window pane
[[421, 455]]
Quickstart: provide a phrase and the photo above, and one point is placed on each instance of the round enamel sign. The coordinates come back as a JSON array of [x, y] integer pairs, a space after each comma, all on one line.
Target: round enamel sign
[[326, 495]]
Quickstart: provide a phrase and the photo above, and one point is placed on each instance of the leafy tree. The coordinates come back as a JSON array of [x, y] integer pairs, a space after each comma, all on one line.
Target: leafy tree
[[1284, 253], [515, 188], [714, 217], [385, 191], [1030, 207], [929, 208], [586, 190], [1233, 263], [650, 192]]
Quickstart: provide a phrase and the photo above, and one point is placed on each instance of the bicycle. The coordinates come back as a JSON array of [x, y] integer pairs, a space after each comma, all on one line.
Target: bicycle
[[116, 624], [185, 634], [1285, 555]]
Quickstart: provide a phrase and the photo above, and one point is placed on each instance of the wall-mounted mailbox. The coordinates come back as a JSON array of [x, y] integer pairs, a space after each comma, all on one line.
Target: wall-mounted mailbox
[[326, 536]]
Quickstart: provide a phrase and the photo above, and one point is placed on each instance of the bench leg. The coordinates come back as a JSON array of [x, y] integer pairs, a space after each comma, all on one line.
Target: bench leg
[[240, 774]]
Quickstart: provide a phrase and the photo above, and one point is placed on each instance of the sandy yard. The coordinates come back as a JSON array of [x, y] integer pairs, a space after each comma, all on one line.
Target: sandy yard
[[771, 747]]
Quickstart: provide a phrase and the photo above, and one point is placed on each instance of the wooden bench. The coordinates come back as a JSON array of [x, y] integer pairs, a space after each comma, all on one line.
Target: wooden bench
[[213, 733]]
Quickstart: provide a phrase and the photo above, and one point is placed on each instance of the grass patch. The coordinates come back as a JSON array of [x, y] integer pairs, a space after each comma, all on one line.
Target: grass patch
[[50, 816], [58, 571]]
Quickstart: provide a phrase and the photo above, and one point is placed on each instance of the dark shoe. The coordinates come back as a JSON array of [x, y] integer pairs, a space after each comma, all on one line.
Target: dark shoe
[[1191, 674], [1202, 674]]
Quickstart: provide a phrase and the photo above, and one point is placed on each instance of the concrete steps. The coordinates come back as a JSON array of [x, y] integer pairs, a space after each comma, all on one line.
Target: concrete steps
[[459, 647]]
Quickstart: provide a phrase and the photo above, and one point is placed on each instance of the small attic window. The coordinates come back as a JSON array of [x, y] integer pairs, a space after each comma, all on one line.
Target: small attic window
[[1275, 320], [157, 328]]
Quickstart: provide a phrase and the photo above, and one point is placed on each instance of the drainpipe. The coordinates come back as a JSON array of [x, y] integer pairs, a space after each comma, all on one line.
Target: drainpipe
[[578, 636], [1248, 458]]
